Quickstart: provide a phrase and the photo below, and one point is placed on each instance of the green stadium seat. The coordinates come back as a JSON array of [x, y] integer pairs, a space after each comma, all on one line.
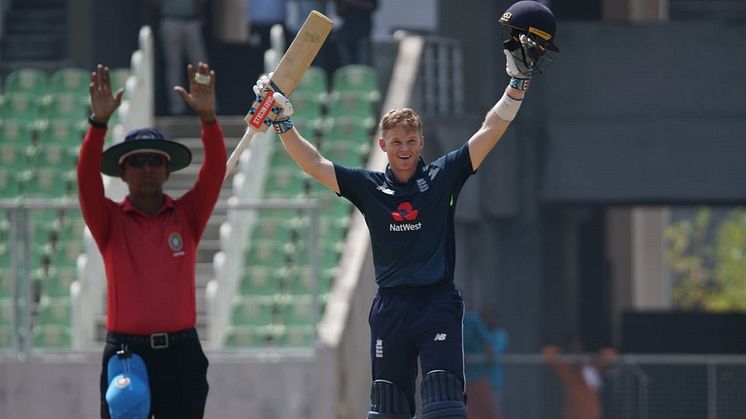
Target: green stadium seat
[[6, 282], [65, 253], [328, 257], [261, 280], [62, 131], [56, 281], [27, 80], [119, 77], [299, 280], [52, 336], [247, 337], [270, 253], [67, 106], [15, 156], [355, 104], [298, 310], [307, 105], [284, 181], [70, 80], [280, 158], [70, 226], [296, 336], [276, 224], [313, 81], [55, 310], [10, 183], [47, 182], [6, 336], [6, 311], [345, 153], [13, 130], [252, 310], [357, 78], [57, 155], [21, 106], [350, 129], [329, 203]]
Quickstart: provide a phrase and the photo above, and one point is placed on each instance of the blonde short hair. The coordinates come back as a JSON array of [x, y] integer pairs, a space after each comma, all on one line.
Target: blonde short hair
[[403, 117]]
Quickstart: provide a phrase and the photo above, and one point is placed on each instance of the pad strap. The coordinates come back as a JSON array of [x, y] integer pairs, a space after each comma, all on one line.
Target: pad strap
[[283, 126], [519, 83]]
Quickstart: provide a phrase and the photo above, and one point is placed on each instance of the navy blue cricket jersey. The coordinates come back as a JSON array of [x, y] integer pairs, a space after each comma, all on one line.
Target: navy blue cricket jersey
[[411, 224]]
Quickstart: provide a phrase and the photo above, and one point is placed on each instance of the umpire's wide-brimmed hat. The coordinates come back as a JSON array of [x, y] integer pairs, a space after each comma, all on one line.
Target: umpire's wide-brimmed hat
[[128, 394], [145, 140]]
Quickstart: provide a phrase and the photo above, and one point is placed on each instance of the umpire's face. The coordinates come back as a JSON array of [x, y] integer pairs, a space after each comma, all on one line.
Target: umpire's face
[[403, 147], [145, 173]]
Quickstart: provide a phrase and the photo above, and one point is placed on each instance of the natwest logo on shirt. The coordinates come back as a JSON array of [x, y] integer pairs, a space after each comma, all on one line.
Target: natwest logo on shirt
[[405, 212]]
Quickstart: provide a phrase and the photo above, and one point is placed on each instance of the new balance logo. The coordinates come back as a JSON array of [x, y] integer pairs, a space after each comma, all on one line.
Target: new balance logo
[[439, 336]]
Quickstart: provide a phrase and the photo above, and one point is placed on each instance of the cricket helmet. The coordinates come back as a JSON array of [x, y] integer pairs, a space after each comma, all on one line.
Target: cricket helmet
[[533, 19]]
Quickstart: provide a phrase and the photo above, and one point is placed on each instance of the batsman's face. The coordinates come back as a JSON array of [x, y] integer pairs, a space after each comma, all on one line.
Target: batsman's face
[[145, 173], [403, 147]]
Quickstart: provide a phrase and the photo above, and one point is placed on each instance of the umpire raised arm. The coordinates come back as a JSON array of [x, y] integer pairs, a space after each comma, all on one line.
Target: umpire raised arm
[[153, 363]]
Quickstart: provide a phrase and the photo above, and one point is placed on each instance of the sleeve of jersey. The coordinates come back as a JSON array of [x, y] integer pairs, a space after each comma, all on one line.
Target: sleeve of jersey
[[201, 199], [458, 162], [349, 183], [93, 202]]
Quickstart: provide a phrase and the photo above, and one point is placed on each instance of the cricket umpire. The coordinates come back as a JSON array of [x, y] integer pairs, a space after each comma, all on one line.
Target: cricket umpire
[[409, 209], [148, 243]]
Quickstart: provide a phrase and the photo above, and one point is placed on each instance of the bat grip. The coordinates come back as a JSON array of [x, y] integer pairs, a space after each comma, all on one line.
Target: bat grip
[[233, 159]]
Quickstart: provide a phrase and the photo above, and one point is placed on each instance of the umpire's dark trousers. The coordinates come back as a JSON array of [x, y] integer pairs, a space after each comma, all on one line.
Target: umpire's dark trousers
[[177, 372]]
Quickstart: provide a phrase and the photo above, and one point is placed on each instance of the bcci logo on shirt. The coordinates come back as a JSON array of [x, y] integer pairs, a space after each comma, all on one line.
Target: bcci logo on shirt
[[405, 212], [176, 243]]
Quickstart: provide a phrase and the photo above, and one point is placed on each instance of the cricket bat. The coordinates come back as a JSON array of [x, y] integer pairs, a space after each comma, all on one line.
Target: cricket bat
[[285, 78]]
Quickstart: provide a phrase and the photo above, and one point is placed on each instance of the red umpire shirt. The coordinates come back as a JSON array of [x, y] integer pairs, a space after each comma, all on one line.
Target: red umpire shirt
[[150, 261]]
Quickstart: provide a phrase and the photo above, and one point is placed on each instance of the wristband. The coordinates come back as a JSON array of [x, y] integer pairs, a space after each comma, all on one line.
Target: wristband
[[283, 126], [507, 107], [520, 84], [96, 124]]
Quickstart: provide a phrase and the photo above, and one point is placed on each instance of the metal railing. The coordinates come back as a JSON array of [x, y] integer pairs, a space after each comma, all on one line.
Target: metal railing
[[639, 386]]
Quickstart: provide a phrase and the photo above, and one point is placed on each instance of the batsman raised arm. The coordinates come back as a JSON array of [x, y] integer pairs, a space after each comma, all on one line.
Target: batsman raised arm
[[149, 243], [409, 209]]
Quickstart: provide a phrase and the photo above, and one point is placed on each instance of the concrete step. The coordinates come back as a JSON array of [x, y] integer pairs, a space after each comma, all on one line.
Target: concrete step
[[36, 21], [30, 46]]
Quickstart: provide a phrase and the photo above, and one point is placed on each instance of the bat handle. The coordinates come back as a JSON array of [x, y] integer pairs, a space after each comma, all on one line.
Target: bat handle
[[233, 159]]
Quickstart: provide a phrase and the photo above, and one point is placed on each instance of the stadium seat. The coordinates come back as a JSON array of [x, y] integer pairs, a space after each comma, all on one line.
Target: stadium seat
[[65, 253], [276, 224], [13, 130], [27, 80], [6, 338], [119, 77], [299, 280], [252, 310], [307, 105], [270, 253], [296, 336], [45, 182], [284, 182], [247, 337], [357, 78], [56, 281], [6, 311], [345, 153], [351, 103], [349, 128], [62, 131], [280, 158], [6, 282], [51, 336], [15, 156], [54, 310], [67, 106], [314, 81], [298, 310], [25, 107], [328, 257], [57, 155], [261, 280], [10, 183], [70, 80]]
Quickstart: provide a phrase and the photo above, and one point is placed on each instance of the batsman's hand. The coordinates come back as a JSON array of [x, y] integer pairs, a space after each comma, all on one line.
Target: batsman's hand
[[103, 102], [521, 60]]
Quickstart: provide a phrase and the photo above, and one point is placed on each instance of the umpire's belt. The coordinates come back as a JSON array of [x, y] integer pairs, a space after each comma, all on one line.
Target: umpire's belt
[[154, 340]]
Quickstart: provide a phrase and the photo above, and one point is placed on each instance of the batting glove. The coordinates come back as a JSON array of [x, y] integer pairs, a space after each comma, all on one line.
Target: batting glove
[[284, 122]]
